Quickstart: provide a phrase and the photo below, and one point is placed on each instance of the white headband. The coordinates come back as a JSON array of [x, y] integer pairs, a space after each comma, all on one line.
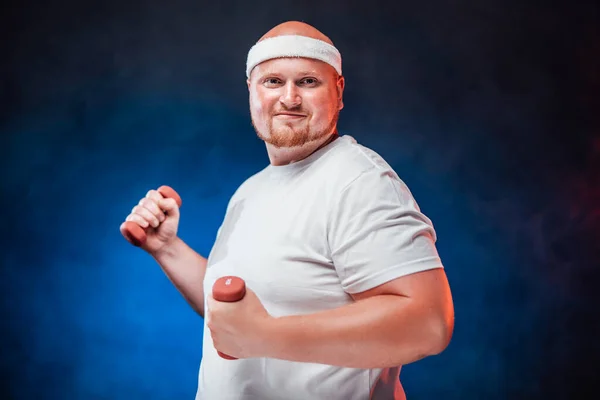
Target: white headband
[[293, 46]]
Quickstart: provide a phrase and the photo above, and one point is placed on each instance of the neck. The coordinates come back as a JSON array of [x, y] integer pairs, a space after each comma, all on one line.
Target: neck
[[287, 155]]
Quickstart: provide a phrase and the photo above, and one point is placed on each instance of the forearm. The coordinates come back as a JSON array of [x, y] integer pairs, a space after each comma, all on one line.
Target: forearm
[[378, 332], [185, 268]]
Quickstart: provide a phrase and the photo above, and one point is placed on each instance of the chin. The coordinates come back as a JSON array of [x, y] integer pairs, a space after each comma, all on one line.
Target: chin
[[287, 137], [283, 137]]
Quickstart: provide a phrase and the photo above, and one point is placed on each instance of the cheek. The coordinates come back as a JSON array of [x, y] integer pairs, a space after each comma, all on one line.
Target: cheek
[[324, 108], [259, 103], [254, 102]]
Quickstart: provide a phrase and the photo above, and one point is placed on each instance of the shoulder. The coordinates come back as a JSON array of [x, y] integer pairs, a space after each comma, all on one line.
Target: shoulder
[[247, 187], [363, 169]]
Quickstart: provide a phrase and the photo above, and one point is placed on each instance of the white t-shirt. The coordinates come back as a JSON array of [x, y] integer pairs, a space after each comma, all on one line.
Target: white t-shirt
[[303, 236]]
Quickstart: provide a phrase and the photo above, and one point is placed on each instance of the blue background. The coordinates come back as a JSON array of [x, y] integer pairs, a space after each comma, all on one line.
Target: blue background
[[487, 109]]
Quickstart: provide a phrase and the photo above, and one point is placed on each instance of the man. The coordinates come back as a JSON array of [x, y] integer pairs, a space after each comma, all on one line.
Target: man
[[344, 281]]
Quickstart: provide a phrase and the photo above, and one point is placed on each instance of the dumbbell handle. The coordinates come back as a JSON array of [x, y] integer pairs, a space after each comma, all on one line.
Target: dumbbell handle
[[135, 234], [229, 289]]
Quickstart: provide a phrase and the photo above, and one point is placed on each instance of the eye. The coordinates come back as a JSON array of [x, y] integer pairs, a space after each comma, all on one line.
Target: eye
[[271, 81], [309, 81]]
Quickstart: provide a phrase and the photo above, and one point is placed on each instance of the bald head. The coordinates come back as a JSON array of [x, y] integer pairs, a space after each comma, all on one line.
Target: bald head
[[294, 39], [296, 28]]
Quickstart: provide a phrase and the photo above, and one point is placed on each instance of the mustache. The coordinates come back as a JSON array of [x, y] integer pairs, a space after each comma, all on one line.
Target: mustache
[[295, 110]]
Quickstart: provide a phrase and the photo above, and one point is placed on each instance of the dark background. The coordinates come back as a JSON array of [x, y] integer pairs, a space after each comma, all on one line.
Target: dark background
[[488, 109]]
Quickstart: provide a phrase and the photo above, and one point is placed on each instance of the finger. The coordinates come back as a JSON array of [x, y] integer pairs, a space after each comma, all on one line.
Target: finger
[[169, 206], [154, 195], [152, 206], [138, 220], [157, 196], [209, 304], [147, 215]]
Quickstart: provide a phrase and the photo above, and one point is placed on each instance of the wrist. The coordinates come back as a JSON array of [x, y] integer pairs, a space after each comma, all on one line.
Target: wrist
[[169, 250], [278, 337]]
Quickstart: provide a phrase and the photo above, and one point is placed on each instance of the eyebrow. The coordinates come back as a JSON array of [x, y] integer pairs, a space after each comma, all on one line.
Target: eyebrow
[[307, 72], [302, 73]]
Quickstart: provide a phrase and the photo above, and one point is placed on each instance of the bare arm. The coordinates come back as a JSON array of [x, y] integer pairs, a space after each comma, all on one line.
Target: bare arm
[[393, 324], [182, 265], [185, 268]]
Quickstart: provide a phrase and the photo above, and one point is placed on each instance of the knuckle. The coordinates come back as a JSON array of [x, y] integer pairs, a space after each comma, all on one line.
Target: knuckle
[[139, 220], [139, 210], [154, 195], [149, 204], [171, 202]]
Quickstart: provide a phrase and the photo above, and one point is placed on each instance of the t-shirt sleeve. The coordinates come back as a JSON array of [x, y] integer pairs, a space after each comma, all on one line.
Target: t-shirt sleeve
[[377, 232]]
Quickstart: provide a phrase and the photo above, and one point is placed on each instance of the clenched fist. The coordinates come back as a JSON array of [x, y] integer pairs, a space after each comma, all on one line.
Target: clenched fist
[[158, 216]]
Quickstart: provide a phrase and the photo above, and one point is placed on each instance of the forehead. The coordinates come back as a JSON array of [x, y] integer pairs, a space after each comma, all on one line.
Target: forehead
[[293, 66]]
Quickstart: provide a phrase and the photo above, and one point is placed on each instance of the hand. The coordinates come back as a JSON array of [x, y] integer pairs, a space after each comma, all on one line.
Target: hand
[[159, 216], [239, 329]]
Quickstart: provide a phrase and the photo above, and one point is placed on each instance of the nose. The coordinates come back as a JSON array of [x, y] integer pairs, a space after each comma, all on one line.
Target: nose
[[290, 97]]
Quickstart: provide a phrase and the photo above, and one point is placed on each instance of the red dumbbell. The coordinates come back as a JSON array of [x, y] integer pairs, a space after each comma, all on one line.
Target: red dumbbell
[[135, 234], [229, 289]]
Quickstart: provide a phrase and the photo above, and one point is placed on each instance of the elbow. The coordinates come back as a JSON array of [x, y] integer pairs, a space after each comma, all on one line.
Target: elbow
[[431, 337], [441, 339], [441, 329]]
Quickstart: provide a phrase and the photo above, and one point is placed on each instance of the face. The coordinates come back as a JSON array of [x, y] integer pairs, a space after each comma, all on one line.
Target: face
[[294, 101]]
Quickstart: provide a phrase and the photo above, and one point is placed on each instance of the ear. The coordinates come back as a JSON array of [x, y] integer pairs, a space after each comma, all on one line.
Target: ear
[[248, 83], [340, 84]]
